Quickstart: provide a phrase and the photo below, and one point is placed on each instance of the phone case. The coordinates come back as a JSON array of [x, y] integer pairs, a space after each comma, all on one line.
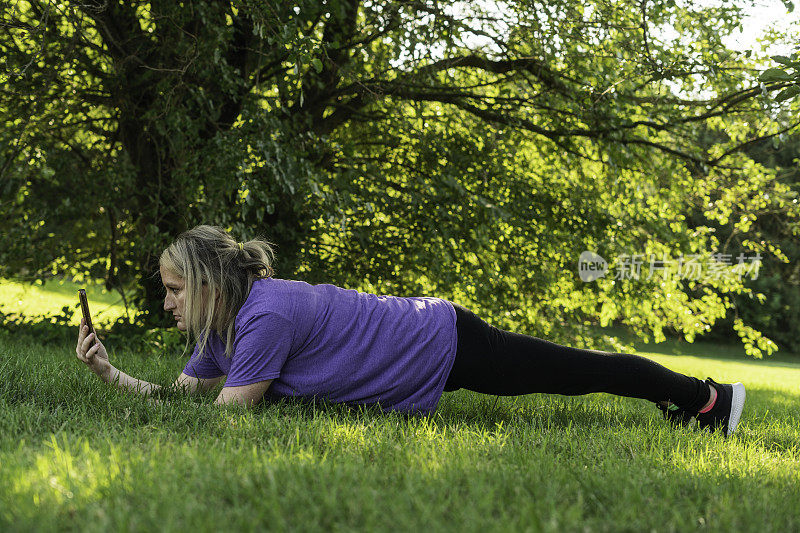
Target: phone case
[[85, 309]]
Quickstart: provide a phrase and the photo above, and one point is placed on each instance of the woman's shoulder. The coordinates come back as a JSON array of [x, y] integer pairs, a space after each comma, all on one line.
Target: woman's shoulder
[[274, 287], [272, 295]]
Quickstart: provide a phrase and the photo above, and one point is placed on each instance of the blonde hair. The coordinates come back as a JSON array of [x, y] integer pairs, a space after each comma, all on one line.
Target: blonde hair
[[207, 256]]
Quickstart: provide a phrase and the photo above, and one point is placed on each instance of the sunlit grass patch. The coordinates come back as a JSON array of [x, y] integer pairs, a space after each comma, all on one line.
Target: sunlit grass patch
[[48, 299]]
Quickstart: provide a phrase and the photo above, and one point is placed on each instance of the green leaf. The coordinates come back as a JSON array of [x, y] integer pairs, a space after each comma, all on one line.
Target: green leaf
[[783, 60], [317, 65], [787, 93], [774, 74]]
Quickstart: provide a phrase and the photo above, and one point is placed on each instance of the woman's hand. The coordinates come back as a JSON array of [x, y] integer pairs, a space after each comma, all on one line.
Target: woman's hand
[[95, 356]]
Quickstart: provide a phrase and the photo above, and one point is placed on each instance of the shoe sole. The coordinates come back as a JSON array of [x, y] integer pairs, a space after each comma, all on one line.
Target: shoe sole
[[737, 405]]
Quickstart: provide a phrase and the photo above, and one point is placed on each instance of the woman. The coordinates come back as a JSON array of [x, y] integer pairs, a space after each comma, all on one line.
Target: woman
[[288, 338]]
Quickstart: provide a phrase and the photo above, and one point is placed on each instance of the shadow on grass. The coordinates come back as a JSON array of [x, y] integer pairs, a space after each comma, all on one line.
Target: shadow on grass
[[552, 412]]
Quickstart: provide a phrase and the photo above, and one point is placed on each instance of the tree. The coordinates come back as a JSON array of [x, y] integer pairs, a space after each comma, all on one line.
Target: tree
[[372, 139]]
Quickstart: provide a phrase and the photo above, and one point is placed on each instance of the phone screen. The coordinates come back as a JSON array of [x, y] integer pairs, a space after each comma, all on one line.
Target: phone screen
[[85, 309]]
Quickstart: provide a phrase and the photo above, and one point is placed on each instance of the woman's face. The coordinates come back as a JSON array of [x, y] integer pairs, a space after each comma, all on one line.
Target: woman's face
[[175, 300]]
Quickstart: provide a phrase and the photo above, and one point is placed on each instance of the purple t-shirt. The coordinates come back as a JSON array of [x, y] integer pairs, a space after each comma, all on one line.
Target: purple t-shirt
[[339, 344]]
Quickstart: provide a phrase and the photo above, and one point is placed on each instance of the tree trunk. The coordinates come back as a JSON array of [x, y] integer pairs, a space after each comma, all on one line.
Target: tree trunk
[[157, 202]]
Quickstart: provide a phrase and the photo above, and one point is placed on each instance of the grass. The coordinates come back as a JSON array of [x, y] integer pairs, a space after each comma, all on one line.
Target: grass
[[77, 455], [49, 298]]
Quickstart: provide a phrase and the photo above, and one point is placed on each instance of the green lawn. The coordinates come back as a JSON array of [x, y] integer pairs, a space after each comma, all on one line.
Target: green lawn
[[48, 299], [78, 455]]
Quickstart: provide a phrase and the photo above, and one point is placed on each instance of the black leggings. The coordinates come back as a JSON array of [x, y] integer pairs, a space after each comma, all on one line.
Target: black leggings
[[493, 361]]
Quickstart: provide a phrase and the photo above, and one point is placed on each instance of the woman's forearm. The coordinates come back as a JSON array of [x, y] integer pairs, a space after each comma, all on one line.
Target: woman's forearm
[[124, 381]]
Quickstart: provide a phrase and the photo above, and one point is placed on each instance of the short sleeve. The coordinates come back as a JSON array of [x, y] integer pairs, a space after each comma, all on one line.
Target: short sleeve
[[205, 368], [262, 345]]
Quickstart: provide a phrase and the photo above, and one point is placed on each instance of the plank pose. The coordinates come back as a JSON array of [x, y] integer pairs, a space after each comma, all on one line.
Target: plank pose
[[288, 338]]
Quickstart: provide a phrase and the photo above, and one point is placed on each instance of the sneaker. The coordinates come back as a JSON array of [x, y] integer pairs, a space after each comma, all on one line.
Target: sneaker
[[675, 414], [727, 409]]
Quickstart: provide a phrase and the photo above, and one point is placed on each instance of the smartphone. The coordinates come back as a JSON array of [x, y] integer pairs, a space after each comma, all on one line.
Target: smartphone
[[85, 309]]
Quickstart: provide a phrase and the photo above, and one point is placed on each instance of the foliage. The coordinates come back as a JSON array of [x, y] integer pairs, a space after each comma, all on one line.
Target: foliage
[[453, 149], [47, 330], [786, 78], [771, 306]]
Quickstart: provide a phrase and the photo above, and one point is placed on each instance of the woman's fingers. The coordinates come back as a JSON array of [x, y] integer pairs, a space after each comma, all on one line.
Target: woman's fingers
[[80, 341], [85, 349], [82, 353], [89, 342], [81, 334], [89, 355], [89, 339], [89, 346], [93, 350], [84, 336]]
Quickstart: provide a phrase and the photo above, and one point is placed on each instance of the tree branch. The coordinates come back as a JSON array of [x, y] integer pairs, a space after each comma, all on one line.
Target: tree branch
[[743, 145], [317, 87]]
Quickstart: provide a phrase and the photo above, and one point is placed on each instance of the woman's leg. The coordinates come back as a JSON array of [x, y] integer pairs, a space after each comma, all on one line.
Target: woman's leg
[[493, 361]]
